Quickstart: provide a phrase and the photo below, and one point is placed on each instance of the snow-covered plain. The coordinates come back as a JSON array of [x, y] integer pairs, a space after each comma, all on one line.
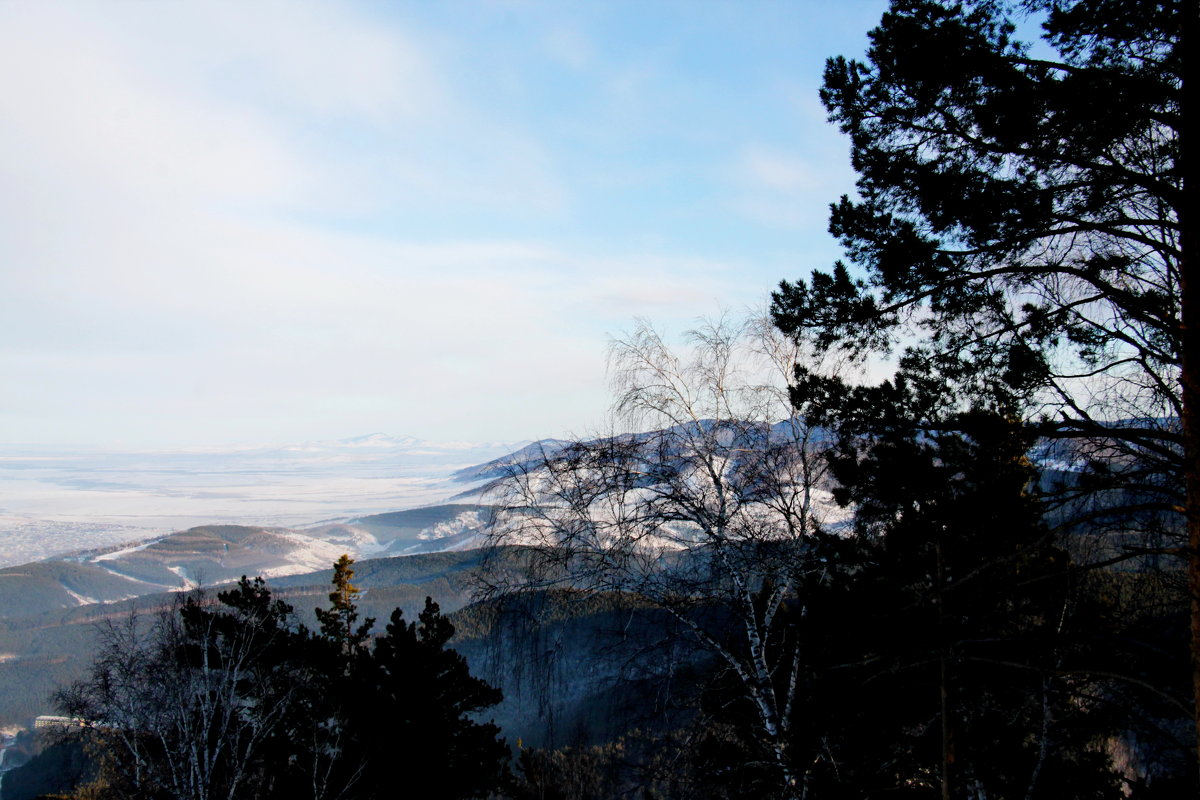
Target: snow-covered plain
[[57, 501]]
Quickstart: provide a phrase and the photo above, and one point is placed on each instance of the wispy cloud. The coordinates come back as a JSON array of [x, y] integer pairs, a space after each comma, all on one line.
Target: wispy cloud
[[785, 187], [272, 220]]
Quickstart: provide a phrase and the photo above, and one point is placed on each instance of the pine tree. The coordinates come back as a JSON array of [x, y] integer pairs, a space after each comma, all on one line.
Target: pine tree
[[1023, 218], [413, 701], [967, 613], [338, 621], [237, 700]]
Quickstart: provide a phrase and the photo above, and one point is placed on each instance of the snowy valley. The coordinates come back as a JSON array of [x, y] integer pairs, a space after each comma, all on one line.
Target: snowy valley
[[54, 502]]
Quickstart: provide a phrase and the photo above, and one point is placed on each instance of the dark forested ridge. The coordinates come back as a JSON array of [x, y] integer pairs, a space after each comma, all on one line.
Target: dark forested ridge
[[636, 702], [234, 696], [53, 646]]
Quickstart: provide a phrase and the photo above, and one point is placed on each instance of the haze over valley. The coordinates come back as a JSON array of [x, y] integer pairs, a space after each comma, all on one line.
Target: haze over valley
[[55, 500]]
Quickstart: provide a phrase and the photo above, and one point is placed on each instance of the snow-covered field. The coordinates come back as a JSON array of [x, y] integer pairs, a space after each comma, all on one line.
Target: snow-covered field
[[57, 501]]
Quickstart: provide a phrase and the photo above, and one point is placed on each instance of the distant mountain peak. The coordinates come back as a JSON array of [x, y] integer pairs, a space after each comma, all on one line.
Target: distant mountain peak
[[379, 440]]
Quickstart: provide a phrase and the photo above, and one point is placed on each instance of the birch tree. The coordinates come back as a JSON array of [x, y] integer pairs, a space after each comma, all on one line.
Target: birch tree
[[706, 494], [188, 705]]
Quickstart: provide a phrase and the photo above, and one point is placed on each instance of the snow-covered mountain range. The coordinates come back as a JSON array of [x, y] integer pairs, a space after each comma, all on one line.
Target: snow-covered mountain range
[[54, 501], [215, 554]]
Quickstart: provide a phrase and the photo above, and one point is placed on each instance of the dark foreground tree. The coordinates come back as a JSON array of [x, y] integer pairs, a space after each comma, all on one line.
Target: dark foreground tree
[[405, 707], [976, 643], [946, 652], [1023, 217], [237, 700], [190, 704]]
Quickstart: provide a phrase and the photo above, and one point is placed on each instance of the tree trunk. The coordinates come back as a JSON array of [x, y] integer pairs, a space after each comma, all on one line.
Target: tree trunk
[[944, 677], [1190, 355]]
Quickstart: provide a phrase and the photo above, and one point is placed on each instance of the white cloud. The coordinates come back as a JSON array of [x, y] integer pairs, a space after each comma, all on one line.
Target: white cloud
[[82, 113], [570, 47], [786, 188], [779, 171], [165, 173], [255, 324], [246, 107], [321, 59], [179, 188]]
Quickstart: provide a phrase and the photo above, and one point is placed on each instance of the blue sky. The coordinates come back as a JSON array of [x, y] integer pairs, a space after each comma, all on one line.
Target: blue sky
[[228, 222]]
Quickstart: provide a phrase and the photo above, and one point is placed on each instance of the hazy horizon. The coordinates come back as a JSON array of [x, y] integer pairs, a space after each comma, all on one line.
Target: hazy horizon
[[55, 501], [262, 222]]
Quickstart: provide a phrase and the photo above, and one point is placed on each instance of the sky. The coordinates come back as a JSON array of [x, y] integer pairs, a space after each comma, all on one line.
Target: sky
[[253, 221]]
